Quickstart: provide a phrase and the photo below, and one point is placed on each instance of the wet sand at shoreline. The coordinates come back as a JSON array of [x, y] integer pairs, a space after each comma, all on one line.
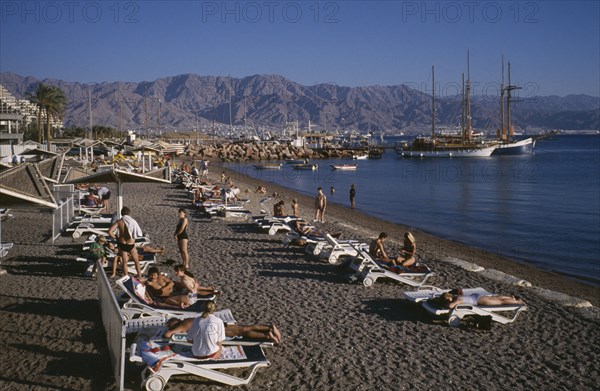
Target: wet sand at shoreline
[[336, 335]]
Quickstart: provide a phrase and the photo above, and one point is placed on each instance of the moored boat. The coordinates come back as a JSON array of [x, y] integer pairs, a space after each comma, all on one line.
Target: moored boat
[[296, 161], [521, 147], [360, 157], [344, 167], [309, 167], [268, 166]]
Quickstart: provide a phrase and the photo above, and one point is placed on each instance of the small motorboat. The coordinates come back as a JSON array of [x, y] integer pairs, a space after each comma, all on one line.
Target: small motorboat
[[345, 167], [360, 157], [309, 167], [268, 166], [296, 161]]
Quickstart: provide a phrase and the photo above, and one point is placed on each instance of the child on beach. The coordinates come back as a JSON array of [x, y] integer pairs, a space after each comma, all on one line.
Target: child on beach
[[98, 252], [295, 208]]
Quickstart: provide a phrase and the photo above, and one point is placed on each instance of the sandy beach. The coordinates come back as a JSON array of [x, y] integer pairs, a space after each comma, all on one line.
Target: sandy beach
[[337, 336]]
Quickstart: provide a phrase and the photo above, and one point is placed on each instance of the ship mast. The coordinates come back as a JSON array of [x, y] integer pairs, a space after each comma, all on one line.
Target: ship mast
[[462, 106], [509, 88], [502, 129], [432, 102], [468, 101]]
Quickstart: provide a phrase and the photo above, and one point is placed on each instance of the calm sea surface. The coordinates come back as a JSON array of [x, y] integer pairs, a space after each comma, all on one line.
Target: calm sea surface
[[541, 209]]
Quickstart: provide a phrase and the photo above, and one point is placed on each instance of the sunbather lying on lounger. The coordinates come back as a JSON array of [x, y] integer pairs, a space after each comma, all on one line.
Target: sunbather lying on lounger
[[161, 288], [453, 298], [271, 333], [189, 284]]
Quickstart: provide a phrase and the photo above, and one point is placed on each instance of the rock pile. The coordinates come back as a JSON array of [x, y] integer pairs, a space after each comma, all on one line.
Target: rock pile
[[238, 152]]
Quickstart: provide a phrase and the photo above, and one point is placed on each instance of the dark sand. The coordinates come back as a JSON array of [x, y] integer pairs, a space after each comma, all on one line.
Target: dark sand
[[337, 336]]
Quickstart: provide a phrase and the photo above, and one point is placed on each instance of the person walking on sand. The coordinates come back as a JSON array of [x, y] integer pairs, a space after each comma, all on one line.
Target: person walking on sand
[[125, 230], [181, 236], [295, 208], [320, 205], [352, 196]]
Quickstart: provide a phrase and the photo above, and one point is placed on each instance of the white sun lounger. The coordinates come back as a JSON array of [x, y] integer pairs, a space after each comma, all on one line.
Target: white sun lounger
[[137, 307], [333, 250], [369, 270], [164, 360], [456, 314]]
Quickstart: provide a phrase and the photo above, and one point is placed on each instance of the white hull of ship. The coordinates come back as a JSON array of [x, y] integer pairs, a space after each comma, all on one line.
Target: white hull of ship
[[446, 153]]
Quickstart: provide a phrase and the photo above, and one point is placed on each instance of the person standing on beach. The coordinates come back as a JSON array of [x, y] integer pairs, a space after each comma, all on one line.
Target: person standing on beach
[[125, 230], [320, 205], [352, 196], [295, 208], [104, 194], [181, 236]]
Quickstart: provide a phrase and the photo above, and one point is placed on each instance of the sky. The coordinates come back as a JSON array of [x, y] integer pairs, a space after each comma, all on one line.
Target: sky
[[553, 46]]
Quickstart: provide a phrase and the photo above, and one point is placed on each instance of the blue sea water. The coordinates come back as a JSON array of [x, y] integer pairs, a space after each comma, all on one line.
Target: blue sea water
[[541, 209]]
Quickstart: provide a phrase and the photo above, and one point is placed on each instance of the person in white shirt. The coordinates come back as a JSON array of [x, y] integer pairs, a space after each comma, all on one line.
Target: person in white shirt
[[104, 194], [207, 334]]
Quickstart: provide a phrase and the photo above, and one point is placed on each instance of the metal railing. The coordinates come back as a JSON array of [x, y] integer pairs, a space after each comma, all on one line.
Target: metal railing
[[114, 326]]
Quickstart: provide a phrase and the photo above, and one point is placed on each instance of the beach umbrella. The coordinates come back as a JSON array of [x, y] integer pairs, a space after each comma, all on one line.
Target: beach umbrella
[[121, 177]]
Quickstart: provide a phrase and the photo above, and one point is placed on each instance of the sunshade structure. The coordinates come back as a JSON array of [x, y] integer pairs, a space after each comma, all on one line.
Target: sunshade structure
[[24, 185], [121, 177], [146, 151], [39, 153], [51, 168]]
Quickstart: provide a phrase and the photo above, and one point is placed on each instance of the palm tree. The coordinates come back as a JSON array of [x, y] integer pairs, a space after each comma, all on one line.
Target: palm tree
[[51, 101], [55, 106], [38, 97]]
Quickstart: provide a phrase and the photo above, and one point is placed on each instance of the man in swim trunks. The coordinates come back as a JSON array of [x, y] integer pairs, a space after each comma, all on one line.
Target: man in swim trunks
[[125, 231]]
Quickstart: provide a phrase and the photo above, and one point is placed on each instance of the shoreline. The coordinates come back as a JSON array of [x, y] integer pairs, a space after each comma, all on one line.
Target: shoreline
[[336, 335], [428, 243]]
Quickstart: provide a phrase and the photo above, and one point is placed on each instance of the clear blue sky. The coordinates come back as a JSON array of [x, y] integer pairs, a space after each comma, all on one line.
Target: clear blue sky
[[553, 46]]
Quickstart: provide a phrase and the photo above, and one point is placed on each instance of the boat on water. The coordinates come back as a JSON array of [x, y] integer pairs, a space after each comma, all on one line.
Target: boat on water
[[308, 167], [360, 157], [268, 166], [520, 147], [464, 144], [507, 144], [424, 147], [296, 161], [344, 167]]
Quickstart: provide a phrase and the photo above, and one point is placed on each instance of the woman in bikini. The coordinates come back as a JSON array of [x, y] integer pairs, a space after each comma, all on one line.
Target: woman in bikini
[[451, 300], [181, 236]]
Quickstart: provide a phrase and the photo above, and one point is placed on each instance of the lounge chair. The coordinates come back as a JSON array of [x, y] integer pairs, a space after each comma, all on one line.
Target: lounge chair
[[147, 260], [368, 270], [138, 307], [164, 359], [78, 228], [456, 315], [333, 250]]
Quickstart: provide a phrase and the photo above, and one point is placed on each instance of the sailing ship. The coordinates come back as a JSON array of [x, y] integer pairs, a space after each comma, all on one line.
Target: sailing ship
[[508, 145], [448, 145]]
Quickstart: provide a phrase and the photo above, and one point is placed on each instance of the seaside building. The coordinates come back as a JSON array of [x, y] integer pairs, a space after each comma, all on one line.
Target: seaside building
[[15, 116]]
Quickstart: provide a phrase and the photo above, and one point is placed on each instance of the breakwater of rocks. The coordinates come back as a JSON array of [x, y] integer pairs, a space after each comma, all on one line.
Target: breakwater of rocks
[[236, 152]]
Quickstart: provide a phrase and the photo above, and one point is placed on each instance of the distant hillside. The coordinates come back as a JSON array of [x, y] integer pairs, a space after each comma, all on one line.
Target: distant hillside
[[190, 101]]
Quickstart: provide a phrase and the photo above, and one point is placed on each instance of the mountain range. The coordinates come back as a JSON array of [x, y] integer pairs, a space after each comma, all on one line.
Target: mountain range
[[191, 101]]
